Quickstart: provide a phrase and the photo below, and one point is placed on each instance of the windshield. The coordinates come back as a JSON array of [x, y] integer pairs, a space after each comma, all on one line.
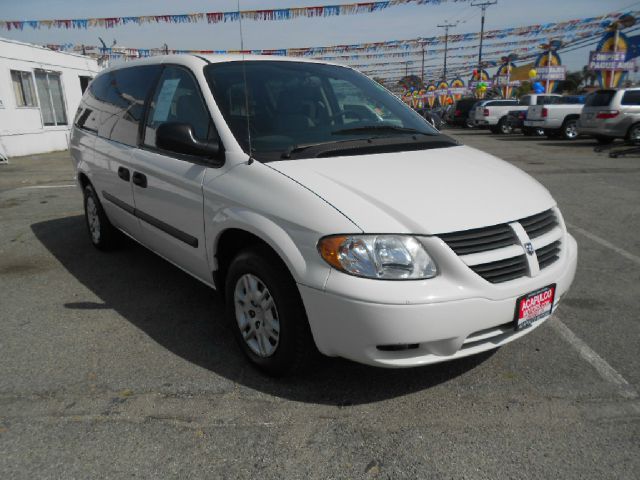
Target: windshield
[[294, 105]]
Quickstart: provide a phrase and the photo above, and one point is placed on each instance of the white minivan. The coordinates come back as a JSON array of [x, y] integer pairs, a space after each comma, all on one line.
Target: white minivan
[[330, 216]]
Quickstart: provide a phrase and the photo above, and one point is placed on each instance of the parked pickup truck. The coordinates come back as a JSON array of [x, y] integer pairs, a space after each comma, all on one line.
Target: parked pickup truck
[[493, 114], [558, 118]]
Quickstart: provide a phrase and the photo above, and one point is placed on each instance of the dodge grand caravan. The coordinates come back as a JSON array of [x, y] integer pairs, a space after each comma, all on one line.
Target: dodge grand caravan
[[328, 214]]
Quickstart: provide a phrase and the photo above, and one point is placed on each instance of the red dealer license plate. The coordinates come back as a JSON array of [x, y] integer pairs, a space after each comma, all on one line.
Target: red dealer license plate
[[534, 306]]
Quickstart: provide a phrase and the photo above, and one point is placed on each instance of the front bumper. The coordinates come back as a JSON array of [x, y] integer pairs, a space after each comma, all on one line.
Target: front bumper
[[422, 329]]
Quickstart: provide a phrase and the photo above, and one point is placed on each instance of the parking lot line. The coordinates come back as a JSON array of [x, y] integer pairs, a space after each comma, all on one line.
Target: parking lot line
[[630, 256], [606, 371], [45, 186]]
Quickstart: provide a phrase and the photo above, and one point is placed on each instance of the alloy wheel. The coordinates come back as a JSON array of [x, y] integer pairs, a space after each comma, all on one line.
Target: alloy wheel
[[256, 315]]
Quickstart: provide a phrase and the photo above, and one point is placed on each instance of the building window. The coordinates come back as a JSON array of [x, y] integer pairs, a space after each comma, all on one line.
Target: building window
[[23, 89], [51, 96]]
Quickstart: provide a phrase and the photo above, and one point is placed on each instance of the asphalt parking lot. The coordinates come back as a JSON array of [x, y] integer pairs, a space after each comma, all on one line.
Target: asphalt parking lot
[[119, 365]]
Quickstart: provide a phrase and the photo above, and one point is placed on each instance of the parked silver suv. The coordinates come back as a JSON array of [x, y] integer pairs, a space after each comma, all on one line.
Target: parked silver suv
[[610, 114]]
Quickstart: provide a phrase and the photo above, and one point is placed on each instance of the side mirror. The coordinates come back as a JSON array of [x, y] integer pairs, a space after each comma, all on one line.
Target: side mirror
[[179, 138]]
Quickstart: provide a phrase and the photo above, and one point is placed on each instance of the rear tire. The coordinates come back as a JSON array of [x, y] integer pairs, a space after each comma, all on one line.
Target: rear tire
[[266, 314], [494, 130], [102, 234], [569, 129], [633, 136], [504, 127]]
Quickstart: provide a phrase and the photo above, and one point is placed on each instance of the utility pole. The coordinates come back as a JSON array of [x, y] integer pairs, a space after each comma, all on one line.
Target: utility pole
[[483, 6], [422, 76], [446, 27]]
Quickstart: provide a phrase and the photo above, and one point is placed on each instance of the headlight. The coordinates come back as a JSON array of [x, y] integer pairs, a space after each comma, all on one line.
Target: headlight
[[386, 257]]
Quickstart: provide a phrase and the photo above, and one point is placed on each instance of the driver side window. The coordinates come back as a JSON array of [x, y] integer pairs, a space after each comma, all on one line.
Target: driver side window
[[177, 99]]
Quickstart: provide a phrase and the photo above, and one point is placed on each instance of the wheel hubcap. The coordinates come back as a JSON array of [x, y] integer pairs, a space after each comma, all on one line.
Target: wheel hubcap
[[571, 130], [257, 315], [635, 135], [93, 220]]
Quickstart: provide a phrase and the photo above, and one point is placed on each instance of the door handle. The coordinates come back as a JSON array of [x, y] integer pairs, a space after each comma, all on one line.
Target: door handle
[[139, 179], [123, 173]]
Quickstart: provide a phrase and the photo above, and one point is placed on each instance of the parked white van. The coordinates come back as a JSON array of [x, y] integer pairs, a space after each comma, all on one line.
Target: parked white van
[[369, 236]]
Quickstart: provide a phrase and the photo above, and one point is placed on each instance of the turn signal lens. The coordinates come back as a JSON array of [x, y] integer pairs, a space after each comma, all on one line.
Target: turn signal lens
[[384, 257]]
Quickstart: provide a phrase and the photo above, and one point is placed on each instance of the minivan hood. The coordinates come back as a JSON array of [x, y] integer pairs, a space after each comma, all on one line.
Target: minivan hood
[[422, 192]]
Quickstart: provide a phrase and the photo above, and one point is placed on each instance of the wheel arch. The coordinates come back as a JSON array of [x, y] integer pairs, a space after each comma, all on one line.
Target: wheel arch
[[83, 180], [244, 229], [628, 135]]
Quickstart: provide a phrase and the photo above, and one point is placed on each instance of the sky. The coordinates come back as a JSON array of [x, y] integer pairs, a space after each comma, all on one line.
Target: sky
[[397, 23]]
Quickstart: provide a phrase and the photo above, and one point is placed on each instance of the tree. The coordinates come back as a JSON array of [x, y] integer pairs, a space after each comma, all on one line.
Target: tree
[[571, 84], [589, 76], [411, 81]]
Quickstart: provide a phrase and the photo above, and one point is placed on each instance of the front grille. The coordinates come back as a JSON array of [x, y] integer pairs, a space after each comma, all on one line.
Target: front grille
[[496, 268], [548, 254], [480, 239], [537, 225], [502, 270]]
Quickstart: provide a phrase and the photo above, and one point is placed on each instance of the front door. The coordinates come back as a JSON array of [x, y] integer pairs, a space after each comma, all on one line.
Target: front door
[[168, 186]]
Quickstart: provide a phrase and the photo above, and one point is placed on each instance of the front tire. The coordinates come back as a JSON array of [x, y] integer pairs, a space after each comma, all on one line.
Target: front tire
[[265, 311], [102, 234]]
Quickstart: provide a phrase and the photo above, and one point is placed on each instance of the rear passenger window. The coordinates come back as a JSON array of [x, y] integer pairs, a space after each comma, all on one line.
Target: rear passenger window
[[546, 100], [120, 96], [632, 97], [177, 99]]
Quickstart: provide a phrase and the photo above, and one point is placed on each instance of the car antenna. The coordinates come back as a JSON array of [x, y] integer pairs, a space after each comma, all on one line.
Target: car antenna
[[246, 87]]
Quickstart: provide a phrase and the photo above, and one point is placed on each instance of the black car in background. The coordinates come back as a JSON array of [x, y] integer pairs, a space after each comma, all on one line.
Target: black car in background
[[432, 116], [515, 120], [460, 114]]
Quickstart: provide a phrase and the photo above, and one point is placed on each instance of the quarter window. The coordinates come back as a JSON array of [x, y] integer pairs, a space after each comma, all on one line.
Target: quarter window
[[23, 89], [632, 97], [177, 99], [52, 104]]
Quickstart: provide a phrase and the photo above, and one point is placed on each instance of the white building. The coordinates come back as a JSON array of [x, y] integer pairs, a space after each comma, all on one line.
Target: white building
[[40, 90]]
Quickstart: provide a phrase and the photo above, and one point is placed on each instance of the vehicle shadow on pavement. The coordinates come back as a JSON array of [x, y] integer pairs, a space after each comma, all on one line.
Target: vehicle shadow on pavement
[[187, 318]]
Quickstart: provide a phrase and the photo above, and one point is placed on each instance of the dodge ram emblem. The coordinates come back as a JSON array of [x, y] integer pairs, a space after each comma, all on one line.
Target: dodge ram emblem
[[529, 248]]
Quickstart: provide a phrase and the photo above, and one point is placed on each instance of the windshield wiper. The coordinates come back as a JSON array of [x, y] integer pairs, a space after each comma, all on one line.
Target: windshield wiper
[[377, 128], [299, 148]]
